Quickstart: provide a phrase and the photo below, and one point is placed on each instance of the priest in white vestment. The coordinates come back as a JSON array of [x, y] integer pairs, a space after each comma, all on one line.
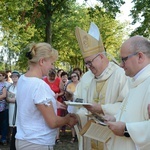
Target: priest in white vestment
[[132, 126], [105, 83]]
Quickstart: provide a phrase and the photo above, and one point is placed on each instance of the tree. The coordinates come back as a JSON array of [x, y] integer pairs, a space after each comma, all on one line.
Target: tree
[[110, 7], [141, 14], [64, 35], [51, 21], [111, 30], [27, 21]]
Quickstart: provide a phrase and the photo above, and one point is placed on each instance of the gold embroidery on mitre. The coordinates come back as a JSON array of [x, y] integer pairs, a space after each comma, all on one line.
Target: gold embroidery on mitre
[[88, 44], [85, 41]]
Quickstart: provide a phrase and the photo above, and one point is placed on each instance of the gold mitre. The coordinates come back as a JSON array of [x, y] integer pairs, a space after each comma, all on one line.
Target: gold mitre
[[89, 43]]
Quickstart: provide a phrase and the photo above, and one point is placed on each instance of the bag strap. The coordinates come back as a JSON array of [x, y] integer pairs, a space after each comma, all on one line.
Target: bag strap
[[14, 116], [9, 87]]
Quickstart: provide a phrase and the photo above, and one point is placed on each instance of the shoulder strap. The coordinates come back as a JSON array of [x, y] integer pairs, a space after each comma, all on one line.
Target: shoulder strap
[[9, 87]]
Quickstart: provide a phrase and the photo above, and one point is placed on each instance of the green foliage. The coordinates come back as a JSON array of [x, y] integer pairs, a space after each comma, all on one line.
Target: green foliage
[[23, 22], [111, 7], [141, 14], [64, 35]]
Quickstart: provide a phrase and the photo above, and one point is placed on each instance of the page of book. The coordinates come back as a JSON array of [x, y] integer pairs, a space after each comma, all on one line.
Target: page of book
[[98, 132]]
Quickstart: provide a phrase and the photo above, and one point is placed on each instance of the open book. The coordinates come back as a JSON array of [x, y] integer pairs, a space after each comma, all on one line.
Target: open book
[[96, 131], [96, 128]]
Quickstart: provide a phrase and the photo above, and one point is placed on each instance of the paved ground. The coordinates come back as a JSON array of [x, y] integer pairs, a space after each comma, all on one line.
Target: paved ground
[[65, 145]]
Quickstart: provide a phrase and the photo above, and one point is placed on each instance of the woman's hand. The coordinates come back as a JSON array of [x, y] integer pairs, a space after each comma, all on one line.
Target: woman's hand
[[72, 119]]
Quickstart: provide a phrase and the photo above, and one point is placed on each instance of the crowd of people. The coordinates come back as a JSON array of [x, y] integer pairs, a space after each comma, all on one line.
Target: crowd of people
[[59, 83], [119, 93]]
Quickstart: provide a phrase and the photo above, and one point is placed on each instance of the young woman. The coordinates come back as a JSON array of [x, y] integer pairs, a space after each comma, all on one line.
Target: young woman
[[37, 119]]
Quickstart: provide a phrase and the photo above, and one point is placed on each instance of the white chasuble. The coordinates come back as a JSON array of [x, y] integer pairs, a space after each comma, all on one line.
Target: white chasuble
[[135, 114], [109, 89]]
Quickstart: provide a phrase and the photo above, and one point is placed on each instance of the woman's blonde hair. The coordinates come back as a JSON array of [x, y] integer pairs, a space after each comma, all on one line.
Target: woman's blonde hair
[[41, 50]]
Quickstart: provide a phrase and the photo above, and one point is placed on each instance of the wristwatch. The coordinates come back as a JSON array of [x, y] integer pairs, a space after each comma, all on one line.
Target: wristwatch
[[126, 133]]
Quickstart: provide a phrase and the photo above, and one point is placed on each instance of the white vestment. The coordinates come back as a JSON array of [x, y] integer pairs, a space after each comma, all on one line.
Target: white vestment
[[81, 92], [116, 90], [134, 113]]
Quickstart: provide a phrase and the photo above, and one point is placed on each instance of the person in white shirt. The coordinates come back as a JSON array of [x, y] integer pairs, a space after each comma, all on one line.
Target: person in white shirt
[[37, 119]]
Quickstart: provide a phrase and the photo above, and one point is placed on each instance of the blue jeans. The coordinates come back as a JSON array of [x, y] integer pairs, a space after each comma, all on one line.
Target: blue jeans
[[4, 125]]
